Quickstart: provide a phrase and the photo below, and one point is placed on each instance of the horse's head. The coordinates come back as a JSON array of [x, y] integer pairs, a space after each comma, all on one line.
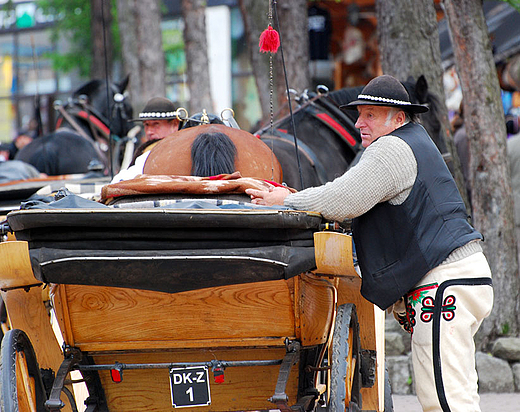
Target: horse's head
[[112, 108], [201, 118]]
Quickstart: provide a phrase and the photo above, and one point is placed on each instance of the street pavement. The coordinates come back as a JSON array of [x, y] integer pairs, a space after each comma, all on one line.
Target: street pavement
[[489, 402]]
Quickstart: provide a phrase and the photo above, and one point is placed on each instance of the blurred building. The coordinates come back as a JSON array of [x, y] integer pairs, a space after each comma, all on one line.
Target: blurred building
[[343, 51], [25, 72]]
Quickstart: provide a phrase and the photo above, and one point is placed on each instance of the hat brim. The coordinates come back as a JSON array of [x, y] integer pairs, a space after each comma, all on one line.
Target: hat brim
[[414, 108]]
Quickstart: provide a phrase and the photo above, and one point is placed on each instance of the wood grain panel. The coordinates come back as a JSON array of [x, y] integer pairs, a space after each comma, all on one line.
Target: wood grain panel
[[333, 252], [15, 265], [244, 388], [316, 306], [137, 319]]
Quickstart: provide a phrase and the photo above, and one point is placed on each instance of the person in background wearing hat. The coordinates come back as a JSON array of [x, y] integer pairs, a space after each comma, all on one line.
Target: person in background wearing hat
[[416, 250], [159, 118]]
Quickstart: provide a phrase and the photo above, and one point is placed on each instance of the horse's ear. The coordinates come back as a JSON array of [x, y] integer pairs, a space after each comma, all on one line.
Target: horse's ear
[[421, 89], [89, 87], [123, 84]]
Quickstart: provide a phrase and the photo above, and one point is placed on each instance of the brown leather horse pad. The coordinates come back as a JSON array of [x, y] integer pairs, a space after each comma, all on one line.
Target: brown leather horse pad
[[172, 155], [160, 184]]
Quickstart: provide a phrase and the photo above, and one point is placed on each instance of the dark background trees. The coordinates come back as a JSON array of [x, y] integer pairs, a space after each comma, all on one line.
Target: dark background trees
[[196, 49], [485, 128], [408, 41], [143, 57]]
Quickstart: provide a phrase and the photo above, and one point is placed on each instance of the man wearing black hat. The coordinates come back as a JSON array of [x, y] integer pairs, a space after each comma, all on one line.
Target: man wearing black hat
[[159, 118], [416, 250]]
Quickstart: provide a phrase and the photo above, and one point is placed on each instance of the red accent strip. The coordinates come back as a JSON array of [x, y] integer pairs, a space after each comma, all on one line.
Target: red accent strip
[[274, 183], [100, 125], [337, 127], [283, 130]]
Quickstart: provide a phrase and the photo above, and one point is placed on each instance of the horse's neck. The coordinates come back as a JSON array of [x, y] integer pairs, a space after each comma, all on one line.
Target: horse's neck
[[78, 123]]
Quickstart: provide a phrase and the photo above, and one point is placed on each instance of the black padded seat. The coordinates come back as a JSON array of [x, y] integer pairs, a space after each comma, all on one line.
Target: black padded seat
[[166, 250]]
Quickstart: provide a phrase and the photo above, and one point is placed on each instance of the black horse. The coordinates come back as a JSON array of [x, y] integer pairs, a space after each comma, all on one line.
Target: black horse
[[86, 126], [328, 142]]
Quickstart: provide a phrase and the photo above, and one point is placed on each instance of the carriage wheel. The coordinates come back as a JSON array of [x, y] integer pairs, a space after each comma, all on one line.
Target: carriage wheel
[[344, 358], [21, 387]]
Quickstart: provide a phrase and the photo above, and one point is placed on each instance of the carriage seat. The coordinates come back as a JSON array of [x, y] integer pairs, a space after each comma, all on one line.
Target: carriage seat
[[169, 245]]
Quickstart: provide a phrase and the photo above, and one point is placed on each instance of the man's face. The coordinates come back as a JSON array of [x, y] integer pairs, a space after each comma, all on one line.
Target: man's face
[[374, 122], [159, 129]]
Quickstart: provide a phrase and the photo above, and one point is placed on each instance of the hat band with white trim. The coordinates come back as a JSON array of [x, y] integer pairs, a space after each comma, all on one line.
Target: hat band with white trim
[[383, 99], [157, 114]]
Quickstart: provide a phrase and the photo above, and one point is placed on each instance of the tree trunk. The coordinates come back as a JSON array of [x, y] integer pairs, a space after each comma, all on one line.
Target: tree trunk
[[100, 10], [491, 193], [254, 15], [196, 48], [294, 35], [409, 46], [141, 42]]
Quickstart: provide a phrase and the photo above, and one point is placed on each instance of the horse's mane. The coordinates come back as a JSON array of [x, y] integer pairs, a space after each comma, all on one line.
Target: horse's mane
[[212, 154], [419, 93], [346, 95]]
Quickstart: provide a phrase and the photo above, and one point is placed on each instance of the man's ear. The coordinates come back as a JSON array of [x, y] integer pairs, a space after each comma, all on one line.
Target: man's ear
[[400, 117]]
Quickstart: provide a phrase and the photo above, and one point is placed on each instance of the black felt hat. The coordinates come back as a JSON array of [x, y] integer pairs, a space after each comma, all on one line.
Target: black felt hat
[[385, 90], [158, 108]]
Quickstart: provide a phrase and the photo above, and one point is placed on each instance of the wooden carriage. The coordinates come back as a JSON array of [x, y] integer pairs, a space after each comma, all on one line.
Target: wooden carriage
[[251, 332], [219, 309]]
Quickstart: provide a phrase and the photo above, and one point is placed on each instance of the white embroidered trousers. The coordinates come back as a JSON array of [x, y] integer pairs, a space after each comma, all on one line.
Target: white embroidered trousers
[[447, 307]]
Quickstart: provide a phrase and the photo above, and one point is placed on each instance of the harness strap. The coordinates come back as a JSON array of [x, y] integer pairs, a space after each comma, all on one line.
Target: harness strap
[[94, 121], [73, 123], [436, 331]]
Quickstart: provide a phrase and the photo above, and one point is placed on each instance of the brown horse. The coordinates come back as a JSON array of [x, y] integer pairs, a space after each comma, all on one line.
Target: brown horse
[[173, 155]]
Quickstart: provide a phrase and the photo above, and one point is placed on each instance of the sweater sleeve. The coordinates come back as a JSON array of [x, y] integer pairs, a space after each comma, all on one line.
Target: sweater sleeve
[[132, 171], [386, 171]]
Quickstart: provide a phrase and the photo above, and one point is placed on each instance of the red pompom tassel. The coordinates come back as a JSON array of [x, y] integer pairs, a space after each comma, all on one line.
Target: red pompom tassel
[[269, 40]]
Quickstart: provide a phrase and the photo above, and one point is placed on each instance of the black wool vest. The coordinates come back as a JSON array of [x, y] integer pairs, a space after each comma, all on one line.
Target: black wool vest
[[397, 245]]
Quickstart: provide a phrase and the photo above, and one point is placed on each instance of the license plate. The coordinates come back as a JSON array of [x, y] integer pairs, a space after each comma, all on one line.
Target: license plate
[[190, 387]]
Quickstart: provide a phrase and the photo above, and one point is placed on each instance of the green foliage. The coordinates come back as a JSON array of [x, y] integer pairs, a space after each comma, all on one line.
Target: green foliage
[[72, 21], [514, 3], [505, 328], [173, 47]]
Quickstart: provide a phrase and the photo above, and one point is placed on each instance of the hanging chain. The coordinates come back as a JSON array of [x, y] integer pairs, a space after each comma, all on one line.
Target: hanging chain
[[271, 88]]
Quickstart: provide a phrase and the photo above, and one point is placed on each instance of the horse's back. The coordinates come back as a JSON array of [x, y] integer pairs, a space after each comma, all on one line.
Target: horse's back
[[58, 153], [172, 155]]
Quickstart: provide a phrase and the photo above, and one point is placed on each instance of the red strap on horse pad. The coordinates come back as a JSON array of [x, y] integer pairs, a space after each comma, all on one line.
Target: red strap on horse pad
[[232, 183]]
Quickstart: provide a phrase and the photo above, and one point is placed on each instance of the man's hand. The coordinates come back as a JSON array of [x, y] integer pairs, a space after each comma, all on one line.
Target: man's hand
[[275, 196]]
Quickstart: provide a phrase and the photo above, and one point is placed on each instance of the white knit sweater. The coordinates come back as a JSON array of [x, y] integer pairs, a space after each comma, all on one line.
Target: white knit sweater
[[386, 172]]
